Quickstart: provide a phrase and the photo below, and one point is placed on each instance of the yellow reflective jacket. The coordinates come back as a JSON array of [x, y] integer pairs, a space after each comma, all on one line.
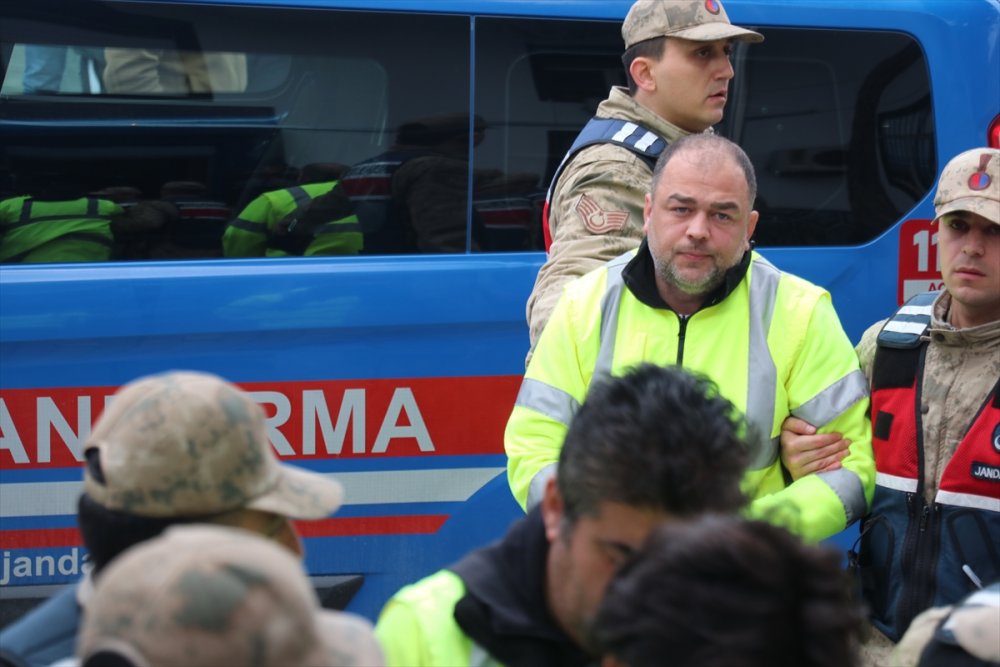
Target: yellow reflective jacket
[[266, 220], [417, 627], [75, 230], [773, 345]]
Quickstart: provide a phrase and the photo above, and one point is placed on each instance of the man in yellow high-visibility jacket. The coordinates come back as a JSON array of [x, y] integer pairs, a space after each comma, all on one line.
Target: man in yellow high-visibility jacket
[[272, 224], [695, 294], [654, 445]]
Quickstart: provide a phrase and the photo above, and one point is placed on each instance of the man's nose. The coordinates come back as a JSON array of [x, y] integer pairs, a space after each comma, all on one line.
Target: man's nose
[[698, 226], [726, 70]]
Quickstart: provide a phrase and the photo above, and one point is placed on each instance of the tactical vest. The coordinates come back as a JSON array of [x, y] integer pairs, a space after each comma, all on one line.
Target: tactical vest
[[915, 554], [368, 185], [642, 141]]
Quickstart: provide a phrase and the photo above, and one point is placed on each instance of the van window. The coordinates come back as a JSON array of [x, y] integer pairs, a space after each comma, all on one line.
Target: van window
[[842, 139], [207, 133], [234, 126]]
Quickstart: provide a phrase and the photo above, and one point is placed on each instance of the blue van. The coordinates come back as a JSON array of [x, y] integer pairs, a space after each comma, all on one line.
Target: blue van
[[394, 362]]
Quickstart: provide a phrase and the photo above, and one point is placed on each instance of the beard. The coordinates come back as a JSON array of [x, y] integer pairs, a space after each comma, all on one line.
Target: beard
[[695, 285]]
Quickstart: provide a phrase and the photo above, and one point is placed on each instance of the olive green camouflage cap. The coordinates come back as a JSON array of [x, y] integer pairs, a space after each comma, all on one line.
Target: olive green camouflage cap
[[971, 182], [697, 20], [203, 594], [186, 443]]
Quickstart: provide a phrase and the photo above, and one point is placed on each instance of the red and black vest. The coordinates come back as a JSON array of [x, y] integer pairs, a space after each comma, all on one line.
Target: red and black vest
[[915, 554], [642, 141]]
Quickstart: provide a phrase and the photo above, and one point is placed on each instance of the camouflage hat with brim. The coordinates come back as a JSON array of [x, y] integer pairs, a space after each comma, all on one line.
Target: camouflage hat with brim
[[971, 182], [191, 444], [696, 20], [213, 595]]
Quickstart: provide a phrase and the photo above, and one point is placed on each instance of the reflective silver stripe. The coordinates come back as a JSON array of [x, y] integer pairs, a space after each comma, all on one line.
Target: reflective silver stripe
[[848, 487], [762, 374], [545, 399], [834, 400], [610, 304], [916, 310], [968, 500], [536, 490], [625, 132], [299, 195], [905, 327], [249, 225], [906, 484], [25, 212], [646, 140]]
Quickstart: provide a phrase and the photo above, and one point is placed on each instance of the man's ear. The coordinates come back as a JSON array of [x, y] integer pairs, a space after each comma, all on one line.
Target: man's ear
[[642, 74], [552, 509], [647, 210], [751, 226]]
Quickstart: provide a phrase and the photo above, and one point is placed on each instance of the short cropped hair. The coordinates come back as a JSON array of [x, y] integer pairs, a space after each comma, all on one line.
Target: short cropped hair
[[706, 142], [656, 438], [649, 48], [107, 533], [726, 592]]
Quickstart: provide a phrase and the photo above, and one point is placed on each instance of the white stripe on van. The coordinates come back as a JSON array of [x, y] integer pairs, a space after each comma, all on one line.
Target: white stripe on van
[[360, 488]]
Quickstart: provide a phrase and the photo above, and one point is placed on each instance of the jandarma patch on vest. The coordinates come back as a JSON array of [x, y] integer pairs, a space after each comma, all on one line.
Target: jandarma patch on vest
[[596, 219], [985, 472]]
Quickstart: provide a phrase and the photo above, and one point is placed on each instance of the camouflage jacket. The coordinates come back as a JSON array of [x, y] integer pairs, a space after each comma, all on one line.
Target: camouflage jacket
[[961, 367], [599, 180]]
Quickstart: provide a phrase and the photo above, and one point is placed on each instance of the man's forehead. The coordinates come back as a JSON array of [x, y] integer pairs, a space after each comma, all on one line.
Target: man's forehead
[[721, 204], [969, 217], [682, 43]]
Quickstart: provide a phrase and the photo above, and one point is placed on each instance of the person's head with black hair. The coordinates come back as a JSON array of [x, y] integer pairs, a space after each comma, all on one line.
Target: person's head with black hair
[[721, 591], [655, 444]]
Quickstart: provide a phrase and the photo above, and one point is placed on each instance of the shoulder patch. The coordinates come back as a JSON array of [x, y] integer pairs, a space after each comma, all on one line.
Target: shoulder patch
[[596, 219]]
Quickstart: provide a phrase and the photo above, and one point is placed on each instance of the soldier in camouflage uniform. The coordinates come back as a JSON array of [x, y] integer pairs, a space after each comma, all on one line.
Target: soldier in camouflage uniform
[[957, 425], [212, 595], [677, 63], [180, 447]]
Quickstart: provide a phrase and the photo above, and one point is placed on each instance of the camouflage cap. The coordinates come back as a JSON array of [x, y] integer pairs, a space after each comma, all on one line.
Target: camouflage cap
[[191, 444], [212, 595], [697, 20], [971, 182]]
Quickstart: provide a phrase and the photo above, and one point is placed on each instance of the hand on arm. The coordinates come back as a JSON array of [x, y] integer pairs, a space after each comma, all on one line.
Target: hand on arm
[[803, 451]]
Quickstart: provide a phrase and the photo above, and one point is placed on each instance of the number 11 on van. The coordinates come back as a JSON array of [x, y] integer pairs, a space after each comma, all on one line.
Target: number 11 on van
[[919, 265]]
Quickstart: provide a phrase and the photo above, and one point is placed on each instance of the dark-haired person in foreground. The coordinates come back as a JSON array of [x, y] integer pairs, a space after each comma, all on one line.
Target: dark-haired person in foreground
[[653, 445], [726, 592], [179, 447]]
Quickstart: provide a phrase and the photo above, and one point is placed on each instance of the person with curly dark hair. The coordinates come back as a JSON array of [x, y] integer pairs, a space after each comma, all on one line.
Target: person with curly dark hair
[[721, 591], [655, 444]]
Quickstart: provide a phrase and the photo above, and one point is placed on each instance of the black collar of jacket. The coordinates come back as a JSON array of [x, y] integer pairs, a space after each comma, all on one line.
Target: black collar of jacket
[[640, 278], [504, 609]]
